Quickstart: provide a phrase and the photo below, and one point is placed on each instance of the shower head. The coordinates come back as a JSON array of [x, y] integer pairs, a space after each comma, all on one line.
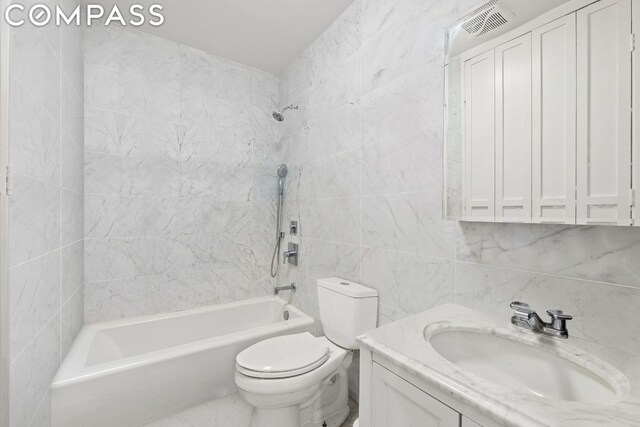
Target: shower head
[[279, 115], [282, 174]]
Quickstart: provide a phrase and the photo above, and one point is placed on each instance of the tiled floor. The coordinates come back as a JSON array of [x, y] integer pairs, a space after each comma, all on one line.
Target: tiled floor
[[231, 411]]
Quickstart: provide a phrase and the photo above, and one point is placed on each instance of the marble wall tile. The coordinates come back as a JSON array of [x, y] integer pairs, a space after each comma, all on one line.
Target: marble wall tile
[[492, 289], [126, 135], [205, 216], [45, 209], [341, 88], [117, 299], [406, 282], [336, 176], [71, 217], [131, 93], [124, 216], [130, 176], [34, 298], [605, 254], [329, 259], [123, 258], [408, 222], [34, 63], [188, 157], [35, 137], [32, 372], [335, 219], [71, 320], [338, 131], [34, 215], [408, 163], [71, 269]]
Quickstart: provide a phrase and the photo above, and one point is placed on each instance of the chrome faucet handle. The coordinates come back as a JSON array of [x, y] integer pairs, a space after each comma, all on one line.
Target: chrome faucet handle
[[559, 319], [522, 310]]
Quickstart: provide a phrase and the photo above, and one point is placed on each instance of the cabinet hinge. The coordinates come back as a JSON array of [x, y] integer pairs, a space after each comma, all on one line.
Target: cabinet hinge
[[633, 42], [632, 197]]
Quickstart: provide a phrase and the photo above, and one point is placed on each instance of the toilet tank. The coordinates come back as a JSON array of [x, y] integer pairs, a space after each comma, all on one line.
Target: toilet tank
[[347, 310]]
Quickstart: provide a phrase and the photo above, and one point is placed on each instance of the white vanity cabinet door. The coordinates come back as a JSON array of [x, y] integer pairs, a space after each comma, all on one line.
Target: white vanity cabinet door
[[397, 403], [604, 113], [466, 422], [554, 122], [513, 130], [479, 137]]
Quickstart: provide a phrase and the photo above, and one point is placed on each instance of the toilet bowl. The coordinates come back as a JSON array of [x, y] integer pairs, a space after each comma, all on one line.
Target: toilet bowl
[[301, 380], [284, 389]]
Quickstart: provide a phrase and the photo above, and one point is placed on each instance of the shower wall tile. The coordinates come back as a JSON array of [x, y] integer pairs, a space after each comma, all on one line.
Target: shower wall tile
[[123, 216], [32, 372], [108, 174], [46, 230], [37, 301], [116, 299], [35, 136], [130, 257], [34, 216], [126, 135], [180, 176], [71, 217], [71, 269]]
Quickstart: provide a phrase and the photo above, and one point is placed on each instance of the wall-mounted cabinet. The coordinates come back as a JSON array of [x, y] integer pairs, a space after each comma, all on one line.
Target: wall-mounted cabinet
[[546, 114]]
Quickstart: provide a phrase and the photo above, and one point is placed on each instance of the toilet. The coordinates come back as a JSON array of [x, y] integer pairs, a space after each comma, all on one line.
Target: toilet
[[301, 380]]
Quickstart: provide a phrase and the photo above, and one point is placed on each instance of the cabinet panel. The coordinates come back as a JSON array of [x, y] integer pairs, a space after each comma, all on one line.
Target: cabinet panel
[[479, 137], [554, 122], [466, 422], [604, 113], [513, 130], [397, 403]]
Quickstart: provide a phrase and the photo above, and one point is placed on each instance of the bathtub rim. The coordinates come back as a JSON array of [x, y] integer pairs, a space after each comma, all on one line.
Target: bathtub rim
[[72, 370]]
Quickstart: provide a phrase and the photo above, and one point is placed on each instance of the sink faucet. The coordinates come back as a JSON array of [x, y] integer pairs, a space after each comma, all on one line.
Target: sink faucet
[[525, 317]]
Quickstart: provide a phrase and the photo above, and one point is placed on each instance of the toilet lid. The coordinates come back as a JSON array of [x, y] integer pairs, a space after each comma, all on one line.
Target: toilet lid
[[283, 357]]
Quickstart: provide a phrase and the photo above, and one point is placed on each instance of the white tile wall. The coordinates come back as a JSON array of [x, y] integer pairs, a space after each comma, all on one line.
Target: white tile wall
[[46, 228], [367, 145], [179, 176]]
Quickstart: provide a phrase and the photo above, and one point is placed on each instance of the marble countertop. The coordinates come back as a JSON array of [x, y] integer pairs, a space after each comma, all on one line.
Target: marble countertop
[[403, 344]]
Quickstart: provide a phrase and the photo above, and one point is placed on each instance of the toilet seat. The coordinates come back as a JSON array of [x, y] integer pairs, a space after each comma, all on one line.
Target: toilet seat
[[283, 357]]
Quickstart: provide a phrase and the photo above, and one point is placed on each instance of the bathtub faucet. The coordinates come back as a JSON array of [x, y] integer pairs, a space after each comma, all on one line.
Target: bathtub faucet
[[291, 287]]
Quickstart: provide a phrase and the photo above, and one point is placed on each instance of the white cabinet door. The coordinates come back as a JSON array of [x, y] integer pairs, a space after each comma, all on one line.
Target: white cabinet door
[[466, 422], [636, 116], [513, 130], [397, 403], [479, 138], [604, 113], [554, 122]]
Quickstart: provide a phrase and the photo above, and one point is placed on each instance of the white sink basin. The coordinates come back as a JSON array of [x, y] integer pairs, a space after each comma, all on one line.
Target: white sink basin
[[526, 366]]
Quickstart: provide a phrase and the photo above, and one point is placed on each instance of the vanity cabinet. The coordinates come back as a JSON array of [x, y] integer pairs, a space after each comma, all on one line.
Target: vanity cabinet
[[396, 402], [547, 120], [393, 397]]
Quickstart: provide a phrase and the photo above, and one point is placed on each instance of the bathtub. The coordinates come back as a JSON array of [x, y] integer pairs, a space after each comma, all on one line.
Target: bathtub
[[127, 373]]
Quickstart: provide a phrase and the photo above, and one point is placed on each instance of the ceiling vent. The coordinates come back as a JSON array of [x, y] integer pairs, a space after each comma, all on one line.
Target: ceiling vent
[[486, 18]]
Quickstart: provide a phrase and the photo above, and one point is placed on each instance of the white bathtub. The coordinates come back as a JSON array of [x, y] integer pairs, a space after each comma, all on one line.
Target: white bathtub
[[130, 372]]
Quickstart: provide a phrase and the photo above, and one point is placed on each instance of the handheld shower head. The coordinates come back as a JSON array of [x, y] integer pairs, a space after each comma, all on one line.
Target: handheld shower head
[[279, 115], [282, 174]]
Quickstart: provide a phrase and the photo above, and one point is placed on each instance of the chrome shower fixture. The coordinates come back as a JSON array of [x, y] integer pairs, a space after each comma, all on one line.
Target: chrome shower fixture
[[279, 115]]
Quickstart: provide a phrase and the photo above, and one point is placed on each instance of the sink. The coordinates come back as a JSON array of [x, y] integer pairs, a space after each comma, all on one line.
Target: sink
[[542, 370]]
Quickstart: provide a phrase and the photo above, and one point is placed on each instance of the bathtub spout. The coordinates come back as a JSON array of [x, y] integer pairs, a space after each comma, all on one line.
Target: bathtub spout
[[291, 287]]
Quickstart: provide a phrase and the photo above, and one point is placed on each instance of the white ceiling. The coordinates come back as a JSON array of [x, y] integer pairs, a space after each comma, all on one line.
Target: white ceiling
[[265, 34]]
